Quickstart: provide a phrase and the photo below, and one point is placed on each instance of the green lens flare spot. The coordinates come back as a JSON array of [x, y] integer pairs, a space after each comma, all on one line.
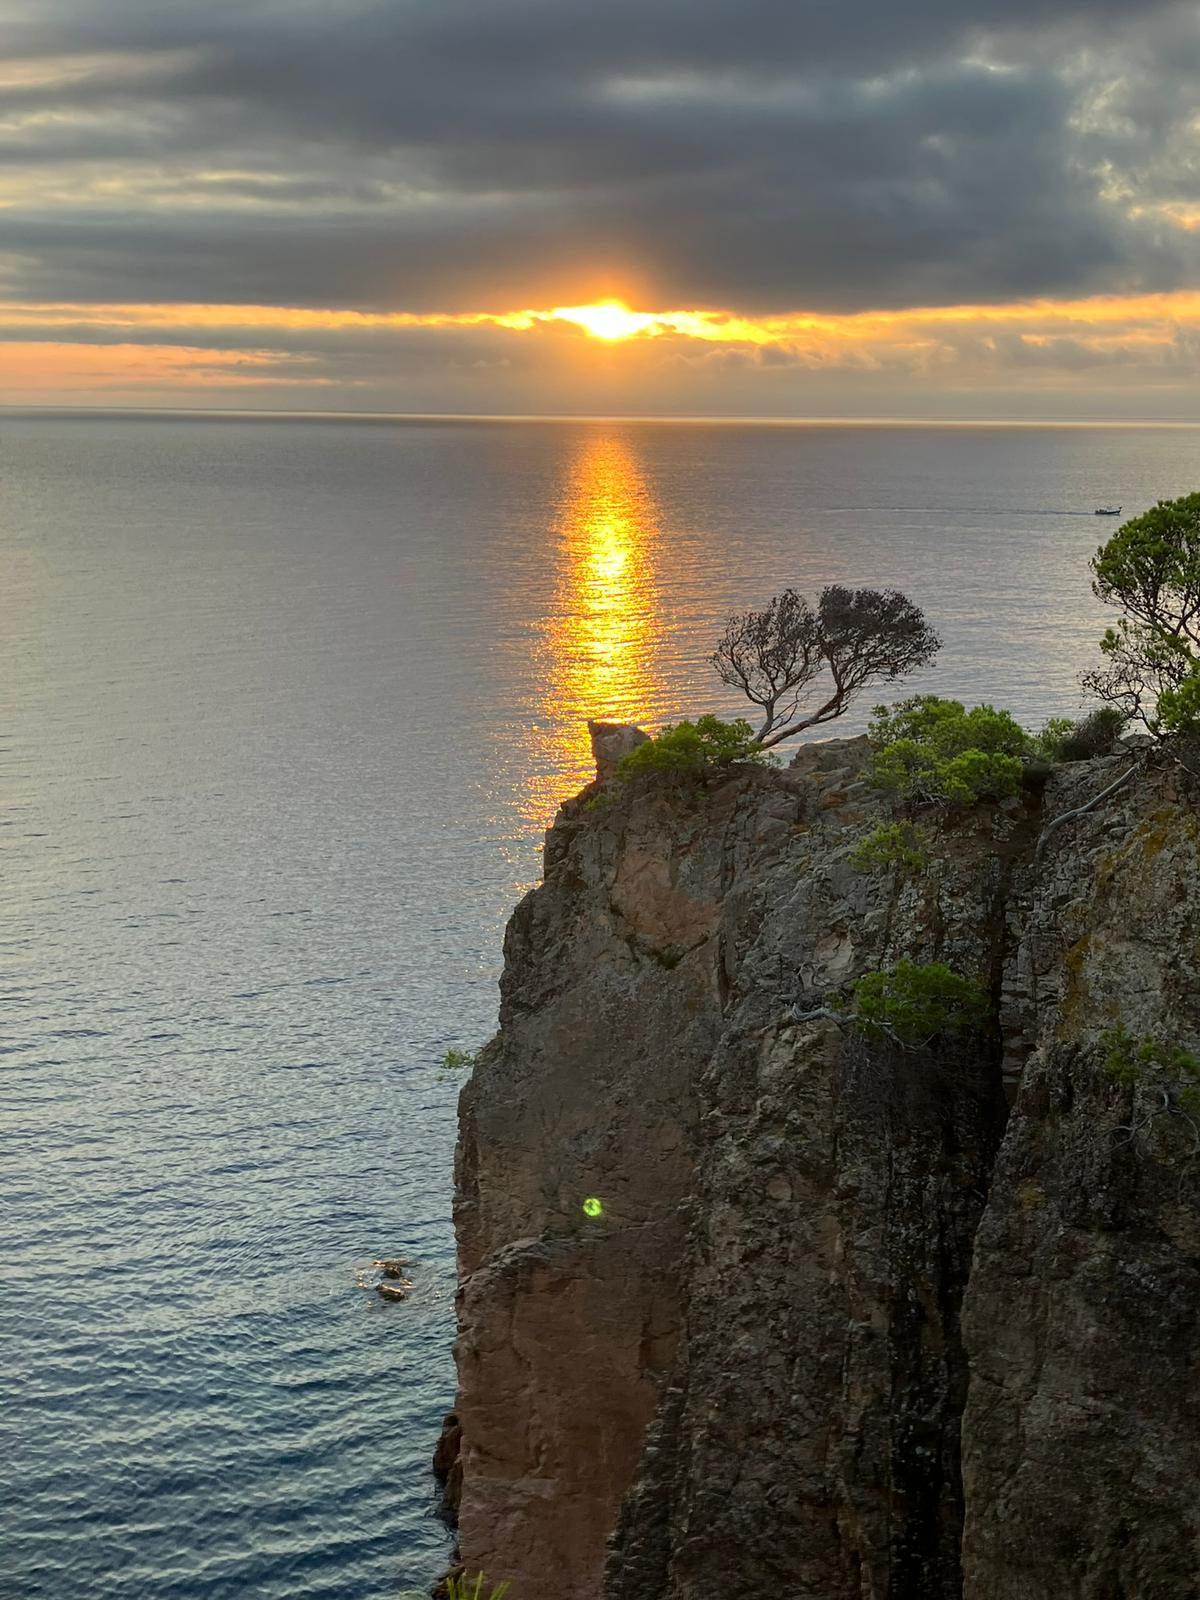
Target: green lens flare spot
[[592, 1207]]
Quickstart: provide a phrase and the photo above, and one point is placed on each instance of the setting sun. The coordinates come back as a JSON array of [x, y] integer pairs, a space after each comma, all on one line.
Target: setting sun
[[609, 320]]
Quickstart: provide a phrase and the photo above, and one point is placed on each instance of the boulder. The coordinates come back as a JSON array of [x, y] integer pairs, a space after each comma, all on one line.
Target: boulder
[[611, 741]]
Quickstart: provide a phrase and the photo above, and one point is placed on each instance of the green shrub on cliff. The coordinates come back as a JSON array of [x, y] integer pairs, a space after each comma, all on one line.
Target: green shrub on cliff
[[892, 844], [929, 750], [1129, 1059], [1047, 745], [1091, 735], [691, 747], [1170, 1073], [915, 1004]]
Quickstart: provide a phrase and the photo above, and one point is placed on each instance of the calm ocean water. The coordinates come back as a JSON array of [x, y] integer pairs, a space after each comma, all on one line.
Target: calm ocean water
[[284, 706]]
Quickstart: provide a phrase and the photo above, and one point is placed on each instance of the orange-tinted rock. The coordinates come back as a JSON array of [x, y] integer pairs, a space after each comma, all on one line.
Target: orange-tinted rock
[[611, 741]]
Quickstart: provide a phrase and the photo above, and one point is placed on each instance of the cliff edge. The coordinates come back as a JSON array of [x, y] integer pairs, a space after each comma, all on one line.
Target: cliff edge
[[751, 1305]]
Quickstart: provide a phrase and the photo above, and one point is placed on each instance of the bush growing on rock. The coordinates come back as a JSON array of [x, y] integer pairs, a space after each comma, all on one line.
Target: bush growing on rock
[[892, 844], [1129, 1059], [691, 747], [1095, 734], [1171, 1073], [929, 750], [1092, 735], [1047, 745], [916, 1004]]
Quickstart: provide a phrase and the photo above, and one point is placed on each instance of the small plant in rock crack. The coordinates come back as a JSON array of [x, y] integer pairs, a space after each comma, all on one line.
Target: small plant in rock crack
[[462, 1588], [459, 1060]]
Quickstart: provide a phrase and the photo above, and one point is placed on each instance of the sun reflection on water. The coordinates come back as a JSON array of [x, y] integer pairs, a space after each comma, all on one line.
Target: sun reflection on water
[[601, 642]]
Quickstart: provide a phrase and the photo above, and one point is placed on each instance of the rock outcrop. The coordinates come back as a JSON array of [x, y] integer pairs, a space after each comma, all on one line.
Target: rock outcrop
[[611, 741], [751, 1306]]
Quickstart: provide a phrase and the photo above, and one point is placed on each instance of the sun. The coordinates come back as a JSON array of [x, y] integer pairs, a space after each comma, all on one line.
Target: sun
[[611, 319]]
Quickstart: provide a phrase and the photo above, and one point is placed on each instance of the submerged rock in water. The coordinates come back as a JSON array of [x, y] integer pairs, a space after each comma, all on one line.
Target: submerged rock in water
[[393, 1291], [391, 1268]]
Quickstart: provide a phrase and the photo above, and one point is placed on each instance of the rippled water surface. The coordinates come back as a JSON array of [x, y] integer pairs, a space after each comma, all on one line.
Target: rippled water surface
[[283, 709]]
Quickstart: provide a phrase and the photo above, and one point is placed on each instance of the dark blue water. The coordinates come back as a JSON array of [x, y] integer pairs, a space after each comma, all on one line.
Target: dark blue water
[[283, 709]]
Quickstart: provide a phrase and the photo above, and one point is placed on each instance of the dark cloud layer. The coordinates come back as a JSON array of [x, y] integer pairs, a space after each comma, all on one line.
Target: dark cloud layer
[[753, 154]]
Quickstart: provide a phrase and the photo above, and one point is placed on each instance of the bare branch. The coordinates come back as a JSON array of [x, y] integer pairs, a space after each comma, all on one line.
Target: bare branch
[[854, 637], [819, 1014], [771, 656], [826, 1014], [1079, 811]]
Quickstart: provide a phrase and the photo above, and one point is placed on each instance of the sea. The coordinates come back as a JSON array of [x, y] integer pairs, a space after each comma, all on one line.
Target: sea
[[286, 704]]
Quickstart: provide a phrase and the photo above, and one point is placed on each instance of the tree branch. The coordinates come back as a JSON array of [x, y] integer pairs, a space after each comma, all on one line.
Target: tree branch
[[1069, 816], [825, 1014]]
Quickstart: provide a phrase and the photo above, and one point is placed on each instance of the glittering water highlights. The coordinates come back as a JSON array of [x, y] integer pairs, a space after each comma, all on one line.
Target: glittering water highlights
[[284, 707], [601, 645]]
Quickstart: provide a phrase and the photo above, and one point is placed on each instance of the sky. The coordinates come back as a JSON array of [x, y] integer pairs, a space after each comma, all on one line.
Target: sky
[[945, 208]]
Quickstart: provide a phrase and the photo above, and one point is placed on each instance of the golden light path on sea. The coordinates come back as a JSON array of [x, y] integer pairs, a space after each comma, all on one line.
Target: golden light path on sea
[[598, 644]]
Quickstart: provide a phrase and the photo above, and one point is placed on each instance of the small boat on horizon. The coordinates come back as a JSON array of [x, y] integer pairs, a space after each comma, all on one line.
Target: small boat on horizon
[[1108, 511]]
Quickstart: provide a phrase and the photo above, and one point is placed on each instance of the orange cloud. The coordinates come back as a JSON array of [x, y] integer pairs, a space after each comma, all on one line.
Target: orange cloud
[[613, 320], [59, 348], [44, 367]]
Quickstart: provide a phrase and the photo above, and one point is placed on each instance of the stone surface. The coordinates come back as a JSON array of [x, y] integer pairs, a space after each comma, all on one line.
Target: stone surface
[[447, 1468], [838, 1330], [611, 741], [1081, 1439]]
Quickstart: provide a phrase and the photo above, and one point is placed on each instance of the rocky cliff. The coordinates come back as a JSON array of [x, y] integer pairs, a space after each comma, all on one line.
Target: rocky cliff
[[750, 1305]]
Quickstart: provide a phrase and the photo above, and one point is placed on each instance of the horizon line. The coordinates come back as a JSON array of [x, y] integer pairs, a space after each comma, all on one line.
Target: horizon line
[[283, 414]]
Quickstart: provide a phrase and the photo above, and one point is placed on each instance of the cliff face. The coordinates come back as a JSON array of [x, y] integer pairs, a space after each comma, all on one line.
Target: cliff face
[[751, 1307], [1081, 1436]]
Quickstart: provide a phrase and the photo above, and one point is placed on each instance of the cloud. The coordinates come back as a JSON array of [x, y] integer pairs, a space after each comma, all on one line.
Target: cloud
[[923, 359], [762, 157], [767, 154]]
